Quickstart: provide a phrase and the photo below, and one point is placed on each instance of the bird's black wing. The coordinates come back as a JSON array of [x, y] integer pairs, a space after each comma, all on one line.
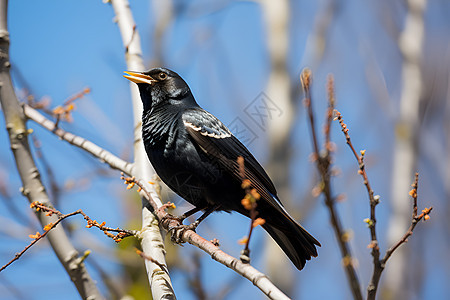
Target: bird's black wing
[[216, 140]]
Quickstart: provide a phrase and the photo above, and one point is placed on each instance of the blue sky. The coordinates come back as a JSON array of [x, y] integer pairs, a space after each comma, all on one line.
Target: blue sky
[[58, 48]]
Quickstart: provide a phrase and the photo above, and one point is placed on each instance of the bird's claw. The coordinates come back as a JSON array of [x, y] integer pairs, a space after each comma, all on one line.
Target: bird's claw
[[177, 232], [168, 218]]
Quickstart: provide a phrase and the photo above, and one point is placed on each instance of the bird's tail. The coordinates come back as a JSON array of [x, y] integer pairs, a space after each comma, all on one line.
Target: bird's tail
[[295, 241]]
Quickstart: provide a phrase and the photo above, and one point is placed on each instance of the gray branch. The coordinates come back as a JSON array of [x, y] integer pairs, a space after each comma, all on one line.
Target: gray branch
[[33, 188], [152, 242], [245, 270], [86, 145]]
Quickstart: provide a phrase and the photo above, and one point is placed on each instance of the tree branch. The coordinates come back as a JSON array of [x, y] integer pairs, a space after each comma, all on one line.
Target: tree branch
[[80, 142], [323, 161], [379, 265], [246, 270], [121, 233], [152, 241], [33, 188]]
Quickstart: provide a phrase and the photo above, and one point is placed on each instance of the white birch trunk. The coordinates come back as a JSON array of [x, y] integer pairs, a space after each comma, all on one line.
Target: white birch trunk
[[151, 237], [278, 90], [406, 147]]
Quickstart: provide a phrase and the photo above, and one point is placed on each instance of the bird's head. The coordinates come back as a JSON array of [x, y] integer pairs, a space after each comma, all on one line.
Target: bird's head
[[159, 85]]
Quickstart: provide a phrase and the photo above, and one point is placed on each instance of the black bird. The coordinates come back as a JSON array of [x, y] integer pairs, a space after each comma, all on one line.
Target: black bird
[[195, 154]]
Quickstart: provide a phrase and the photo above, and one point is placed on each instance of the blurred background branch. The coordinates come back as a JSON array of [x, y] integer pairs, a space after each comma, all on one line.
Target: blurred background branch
[[406, 146]]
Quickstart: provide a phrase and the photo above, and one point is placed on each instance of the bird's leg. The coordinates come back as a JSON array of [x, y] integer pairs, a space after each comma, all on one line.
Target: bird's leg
[[205, 214], [178, 231], [190, 213]]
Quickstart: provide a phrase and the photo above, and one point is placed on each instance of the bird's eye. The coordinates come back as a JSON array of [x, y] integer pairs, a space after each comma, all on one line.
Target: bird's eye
[[162, 76]]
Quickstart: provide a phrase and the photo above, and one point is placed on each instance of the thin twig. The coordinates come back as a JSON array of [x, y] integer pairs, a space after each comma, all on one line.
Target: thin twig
[[374, 200], [250, 203], [121, 233], [306, 78], [380, 264], [77, 96], [330, 109], [37, 238], [323, 163], [80, 142], [131, 181], [65, 111], [409, 232]]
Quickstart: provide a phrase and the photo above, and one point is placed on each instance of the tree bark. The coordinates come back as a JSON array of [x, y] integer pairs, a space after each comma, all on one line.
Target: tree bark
[[33, 188], [151, 236]]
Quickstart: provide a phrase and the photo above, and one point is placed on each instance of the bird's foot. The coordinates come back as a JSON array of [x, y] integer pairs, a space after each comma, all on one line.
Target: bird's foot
[[169, 220], [178, 231]]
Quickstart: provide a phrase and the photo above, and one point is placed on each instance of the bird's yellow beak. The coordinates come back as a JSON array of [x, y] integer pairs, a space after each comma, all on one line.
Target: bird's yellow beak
[[139, 77]]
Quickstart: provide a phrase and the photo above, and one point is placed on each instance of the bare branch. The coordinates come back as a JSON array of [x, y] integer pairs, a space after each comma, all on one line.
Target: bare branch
[[64, 112], [374, 200], [415, 220], [323, 161], [246, 270], [121, 233], [98, 152], [37, 237], [33, 188], [250, 203], [378, 264]]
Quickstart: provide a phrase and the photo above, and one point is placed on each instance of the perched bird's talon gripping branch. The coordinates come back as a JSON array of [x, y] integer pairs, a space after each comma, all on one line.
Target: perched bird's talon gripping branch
[[196, 155]]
